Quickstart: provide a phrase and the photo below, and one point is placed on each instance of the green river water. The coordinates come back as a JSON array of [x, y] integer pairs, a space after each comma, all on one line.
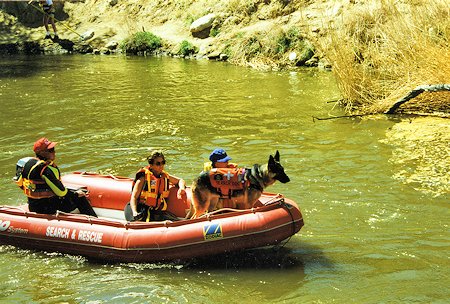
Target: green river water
[[368, 237]]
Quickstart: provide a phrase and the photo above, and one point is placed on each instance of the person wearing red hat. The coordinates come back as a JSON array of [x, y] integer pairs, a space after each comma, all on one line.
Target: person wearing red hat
[[40, 180]]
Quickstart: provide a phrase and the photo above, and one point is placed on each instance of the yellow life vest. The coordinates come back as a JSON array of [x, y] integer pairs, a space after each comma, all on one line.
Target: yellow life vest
[[36, 188], [155, 190]]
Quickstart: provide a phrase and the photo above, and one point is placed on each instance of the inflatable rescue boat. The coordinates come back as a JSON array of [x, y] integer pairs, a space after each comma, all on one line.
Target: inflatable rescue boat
[[111, 238]]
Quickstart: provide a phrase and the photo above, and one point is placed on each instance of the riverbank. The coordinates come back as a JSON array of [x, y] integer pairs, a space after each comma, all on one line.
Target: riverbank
[[376, 55], [233, 23]]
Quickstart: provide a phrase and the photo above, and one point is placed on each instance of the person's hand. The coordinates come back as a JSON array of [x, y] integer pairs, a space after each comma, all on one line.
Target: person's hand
[[181, 193], [137, 216], [82, 193]]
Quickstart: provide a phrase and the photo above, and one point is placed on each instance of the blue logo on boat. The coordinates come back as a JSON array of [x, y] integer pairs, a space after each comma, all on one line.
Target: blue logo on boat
[[212, 231]]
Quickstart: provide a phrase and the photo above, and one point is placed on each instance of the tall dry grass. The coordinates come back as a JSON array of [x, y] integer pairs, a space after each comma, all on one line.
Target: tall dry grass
[[387, 49]]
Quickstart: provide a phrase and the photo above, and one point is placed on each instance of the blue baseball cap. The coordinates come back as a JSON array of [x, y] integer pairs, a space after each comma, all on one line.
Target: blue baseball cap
[[219, 156]]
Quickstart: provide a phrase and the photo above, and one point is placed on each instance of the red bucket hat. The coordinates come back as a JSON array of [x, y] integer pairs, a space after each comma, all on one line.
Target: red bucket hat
[[43, 144]]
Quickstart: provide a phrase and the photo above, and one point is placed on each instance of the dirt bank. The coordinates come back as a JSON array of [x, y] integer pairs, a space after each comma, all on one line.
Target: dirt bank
[[115, 20]]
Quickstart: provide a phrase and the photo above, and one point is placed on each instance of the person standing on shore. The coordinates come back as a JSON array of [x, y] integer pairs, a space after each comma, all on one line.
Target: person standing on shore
[[49, 15]]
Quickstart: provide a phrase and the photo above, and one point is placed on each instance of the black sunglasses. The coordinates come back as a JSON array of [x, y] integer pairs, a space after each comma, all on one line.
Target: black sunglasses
[[51, 150], [160, 163]]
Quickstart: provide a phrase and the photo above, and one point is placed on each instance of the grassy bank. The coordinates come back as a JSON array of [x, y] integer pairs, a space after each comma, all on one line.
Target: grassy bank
[[383, 51]]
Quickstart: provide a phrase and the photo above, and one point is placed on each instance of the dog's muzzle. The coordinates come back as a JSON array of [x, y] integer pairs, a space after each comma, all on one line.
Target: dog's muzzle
[[283, 179]]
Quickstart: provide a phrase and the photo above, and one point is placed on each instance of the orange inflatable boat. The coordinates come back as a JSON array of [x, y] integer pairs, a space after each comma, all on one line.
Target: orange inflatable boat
[[111, 238]]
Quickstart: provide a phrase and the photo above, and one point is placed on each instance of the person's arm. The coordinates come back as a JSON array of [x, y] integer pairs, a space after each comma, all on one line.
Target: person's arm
[[50, 176], [181, 185], [136, 193]]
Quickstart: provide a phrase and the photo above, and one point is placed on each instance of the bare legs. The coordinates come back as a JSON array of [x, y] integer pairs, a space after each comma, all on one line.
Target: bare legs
[[46, 20]]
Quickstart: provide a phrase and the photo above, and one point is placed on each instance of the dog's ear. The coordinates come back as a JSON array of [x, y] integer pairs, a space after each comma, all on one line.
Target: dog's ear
[[277, 156], [271, 160]]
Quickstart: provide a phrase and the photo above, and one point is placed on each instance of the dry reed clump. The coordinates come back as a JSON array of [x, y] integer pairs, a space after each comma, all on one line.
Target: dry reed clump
[[387, 49]]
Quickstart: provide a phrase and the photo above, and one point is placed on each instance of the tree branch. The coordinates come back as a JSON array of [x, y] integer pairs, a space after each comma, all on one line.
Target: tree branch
[[417, 91], [336, 117]]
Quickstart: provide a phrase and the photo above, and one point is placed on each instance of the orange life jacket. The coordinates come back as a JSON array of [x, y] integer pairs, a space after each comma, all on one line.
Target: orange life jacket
[[36, 187], [155, 190], [228, 180]]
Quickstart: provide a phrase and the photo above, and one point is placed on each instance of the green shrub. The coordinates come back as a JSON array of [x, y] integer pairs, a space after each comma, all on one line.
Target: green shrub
[[283, 44], [141, 42], [186, 48], [189, 19], [228, 51], [292, 39], [214, 32]]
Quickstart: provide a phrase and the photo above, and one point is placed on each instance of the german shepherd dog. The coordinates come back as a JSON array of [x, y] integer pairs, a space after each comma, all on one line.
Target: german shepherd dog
[[207, 198]]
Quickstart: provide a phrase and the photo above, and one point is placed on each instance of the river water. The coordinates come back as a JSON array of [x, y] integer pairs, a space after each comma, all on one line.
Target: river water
[[368, 237]]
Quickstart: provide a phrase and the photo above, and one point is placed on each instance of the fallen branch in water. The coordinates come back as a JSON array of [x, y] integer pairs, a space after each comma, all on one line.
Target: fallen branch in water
[[343, 116], [417, 91]]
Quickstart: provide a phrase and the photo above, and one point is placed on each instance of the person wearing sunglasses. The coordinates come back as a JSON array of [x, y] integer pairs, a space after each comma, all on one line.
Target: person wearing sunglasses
[[40, 180], [150, 191]]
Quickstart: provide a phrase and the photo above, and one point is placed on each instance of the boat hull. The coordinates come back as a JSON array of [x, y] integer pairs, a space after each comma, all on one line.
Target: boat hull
[[115, 240]]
